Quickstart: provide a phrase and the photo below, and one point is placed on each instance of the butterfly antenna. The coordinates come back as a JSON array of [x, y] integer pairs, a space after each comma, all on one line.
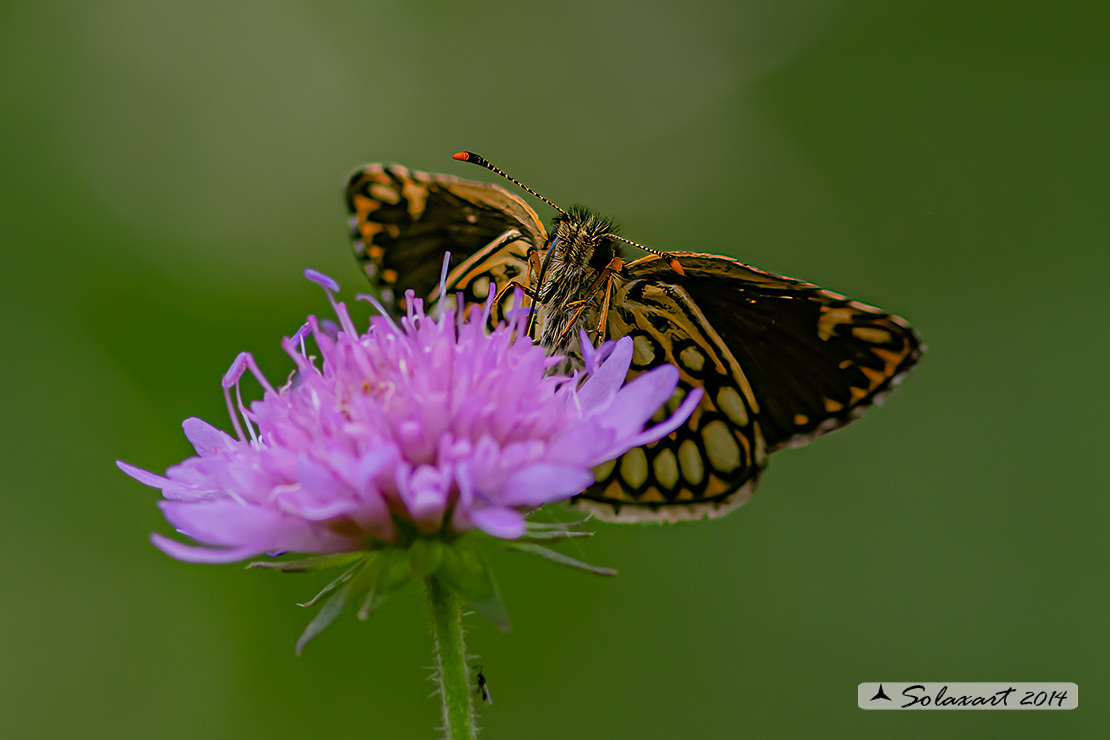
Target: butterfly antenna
[[670, 258], [482, 161]]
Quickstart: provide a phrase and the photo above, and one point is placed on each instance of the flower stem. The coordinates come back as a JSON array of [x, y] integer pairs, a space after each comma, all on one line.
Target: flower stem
[[452, 670]]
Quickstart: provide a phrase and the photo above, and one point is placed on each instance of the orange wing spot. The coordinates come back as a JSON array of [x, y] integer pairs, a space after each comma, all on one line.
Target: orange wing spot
[[390, 276], [832, 406], [416, 198], [364, 205], [714, 487], [368, 230], [892, 359], [375, 252], [857, 393], [876, 377], [801, 419], [614, 492], [844, 364], [652, 496]]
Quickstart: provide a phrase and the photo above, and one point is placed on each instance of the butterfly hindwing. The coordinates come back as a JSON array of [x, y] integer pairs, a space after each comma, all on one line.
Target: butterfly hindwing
[[781, 361], [403, 221]]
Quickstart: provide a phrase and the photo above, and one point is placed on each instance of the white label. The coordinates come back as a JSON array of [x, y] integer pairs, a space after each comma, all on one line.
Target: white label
[[981, 695]]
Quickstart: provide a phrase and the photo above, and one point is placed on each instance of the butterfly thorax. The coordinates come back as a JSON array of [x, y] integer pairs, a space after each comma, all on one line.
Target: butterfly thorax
[[571, 296]]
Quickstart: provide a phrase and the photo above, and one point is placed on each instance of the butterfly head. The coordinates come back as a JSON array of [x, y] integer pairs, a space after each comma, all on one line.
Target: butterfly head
[[583, 239]]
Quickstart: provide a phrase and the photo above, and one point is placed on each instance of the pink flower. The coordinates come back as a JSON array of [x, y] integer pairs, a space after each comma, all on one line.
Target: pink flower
[[431, 428]]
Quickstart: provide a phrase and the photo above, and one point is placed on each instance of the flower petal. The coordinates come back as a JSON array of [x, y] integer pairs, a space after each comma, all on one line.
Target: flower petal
[[144, 476], [636, 402], [207, 439], [170, 488], [193, 554], [539, 484], [503, 523], [225, 523], [600, 387], [677, 419]]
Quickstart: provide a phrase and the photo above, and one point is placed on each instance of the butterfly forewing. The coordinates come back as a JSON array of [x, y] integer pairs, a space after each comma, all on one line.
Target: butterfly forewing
[[403, 222], [781, 361]]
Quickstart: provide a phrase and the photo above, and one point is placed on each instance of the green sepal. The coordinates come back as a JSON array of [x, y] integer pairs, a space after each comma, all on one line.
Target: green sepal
[[465, 571], [532, 526], [551, 535], [426, 555], [553, 531], [391, 570], [334, 606], [558, 557], [343, 578], [307, 565]]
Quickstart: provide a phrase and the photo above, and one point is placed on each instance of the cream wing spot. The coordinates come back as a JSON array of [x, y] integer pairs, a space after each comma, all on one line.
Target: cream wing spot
[[689, 460], [603, 471], [692, 359], [831, 318], [480, 288], [643, 350], [385, 193], [872, 334], [729, 402], [720, 446], [666, 468], [634, 467]]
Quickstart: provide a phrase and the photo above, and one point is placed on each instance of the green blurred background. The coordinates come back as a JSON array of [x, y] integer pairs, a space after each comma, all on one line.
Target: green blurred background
[[169, 169]]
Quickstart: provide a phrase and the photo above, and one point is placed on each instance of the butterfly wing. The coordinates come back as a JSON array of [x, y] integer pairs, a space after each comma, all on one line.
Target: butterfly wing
[[781, 361], [402, 223]]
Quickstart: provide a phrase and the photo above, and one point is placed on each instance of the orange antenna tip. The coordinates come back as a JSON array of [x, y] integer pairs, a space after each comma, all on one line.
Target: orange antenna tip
[[676, 265], [483, 162]]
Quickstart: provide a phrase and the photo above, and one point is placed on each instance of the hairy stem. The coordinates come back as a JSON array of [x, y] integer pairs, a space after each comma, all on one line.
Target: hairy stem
[[452, 669]]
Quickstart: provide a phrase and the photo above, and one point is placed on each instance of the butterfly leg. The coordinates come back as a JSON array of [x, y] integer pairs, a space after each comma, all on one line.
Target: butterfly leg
[[528, 293], [514, 284], [581, 306], [614, 266]]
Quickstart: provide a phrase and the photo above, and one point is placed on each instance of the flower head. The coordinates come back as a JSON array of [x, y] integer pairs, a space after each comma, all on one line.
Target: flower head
[[430, 426]]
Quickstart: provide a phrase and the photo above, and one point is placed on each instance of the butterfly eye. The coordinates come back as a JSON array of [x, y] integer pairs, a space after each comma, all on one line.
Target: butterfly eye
[[603, 253]]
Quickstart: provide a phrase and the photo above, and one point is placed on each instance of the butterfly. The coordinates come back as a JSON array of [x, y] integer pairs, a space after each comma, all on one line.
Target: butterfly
[[781, 361]]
